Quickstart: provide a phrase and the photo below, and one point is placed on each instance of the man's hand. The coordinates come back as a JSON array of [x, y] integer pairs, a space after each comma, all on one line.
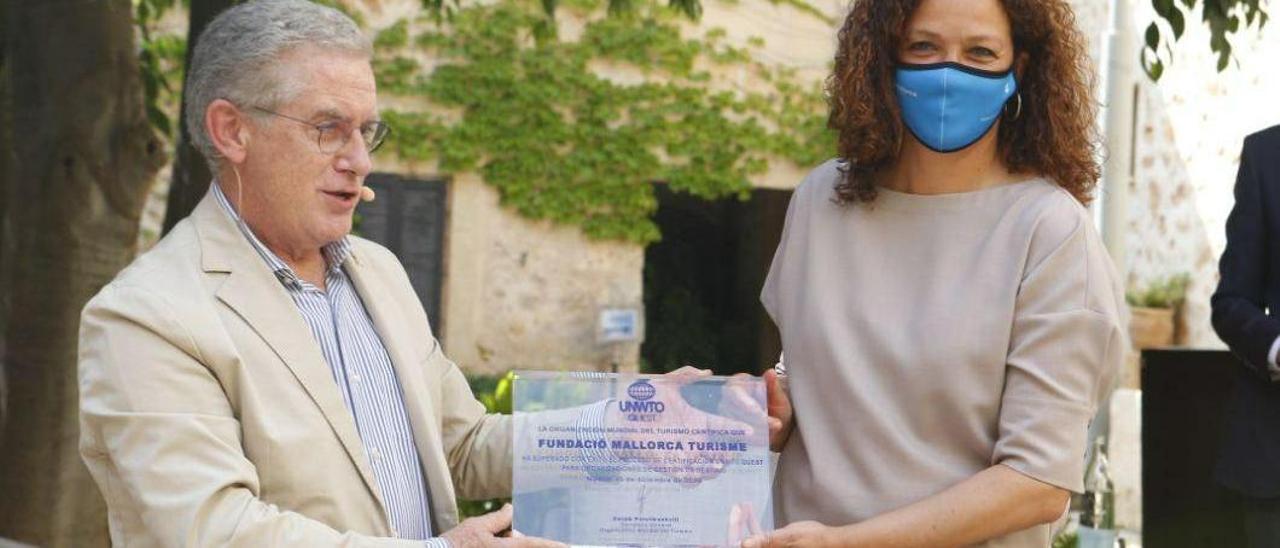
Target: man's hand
[[482, 532], [803, 533], [689, 372], [693, 465]]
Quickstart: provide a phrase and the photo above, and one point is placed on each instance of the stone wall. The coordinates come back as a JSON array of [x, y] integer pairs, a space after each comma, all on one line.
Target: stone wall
[[525, 294]]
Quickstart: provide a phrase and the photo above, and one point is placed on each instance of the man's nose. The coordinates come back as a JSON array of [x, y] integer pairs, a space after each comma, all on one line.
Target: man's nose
[[354, 156]]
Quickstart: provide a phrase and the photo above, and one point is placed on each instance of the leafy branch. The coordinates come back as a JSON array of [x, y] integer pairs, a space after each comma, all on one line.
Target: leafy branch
[[160, 57], [1223, 17]]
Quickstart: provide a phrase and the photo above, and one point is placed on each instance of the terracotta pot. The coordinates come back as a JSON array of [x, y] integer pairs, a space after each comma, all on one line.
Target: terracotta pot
[[1151, 327]]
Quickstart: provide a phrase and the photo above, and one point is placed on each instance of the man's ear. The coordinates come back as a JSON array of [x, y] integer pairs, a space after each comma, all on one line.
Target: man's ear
[[227, 127]]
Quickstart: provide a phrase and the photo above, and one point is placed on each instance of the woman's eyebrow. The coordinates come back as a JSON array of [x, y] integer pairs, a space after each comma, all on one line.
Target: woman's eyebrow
[[923, 33], [984, 38]]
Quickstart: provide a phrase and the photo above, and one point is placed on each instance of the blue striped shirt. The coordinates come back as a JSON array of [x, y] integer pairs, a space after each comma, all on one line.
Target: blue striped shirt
[[363, 372]]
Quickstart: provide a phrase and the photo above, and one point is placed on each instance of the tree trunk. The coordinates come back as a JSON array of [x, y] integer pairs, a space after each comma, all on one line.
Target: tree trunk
[[7, 196], [83, 157], [190, 173]]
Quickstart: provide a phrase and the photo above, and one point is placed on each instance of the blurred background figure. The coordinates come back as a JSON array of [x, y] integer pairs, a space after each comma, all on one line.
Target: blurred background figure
[[1244, 308]]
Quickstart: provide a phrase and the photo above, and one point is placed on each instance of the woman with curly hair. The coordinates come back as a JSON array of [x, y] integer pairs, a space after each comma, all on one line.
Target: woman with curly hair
[[949, 316]]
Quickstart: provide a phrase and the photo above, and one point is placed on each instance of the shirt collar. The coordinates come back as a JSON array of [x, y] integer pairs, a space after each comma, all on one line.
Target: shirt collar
[[335, 253]]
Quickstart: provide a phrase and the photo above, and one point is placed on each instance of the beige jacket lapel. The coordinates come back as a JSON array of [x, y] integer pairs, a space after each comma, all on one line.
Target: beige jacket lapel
[[396, 335], [254, 292]]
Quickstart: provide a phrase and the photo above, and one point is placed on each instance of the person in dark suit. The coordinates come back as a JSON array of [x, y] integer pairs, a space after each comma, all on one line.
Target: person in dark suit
[[1246, 315]]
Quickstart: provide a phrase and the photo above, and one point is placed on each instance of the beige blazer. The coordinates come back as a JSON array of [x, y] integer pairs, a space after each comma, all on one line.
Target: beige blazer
[[208, 416]]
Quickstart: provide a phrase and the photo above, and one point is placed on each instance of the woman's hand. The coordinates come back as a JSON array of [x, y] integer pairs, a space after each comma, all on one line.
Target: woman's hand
[[781, 416], [801, 533], [990, 504]]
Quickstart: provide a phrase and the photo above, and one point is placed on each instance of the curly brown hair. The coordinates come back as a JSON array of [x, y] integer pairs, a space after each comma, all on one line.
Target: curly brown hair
[[1054, 137]]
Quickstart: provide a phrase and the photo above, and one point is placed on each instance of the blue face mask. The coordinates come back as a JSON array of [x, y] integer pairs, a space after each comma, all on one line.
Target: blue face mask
[[949, 106]]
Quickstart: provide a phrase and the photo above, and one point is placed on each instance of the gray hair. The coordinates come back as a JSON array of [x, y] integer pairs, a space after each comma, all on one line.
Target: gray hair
[[235, 57]]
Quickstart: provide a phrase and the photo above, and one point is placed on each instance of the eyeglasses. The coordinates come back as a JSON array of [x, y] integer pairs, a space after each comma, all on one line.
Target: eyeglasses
[[333, 135]]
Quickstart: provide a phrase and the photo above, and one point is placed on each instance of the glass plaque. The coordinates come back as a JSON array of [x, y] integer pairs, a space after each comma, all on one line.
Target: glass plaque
[[640, 460]]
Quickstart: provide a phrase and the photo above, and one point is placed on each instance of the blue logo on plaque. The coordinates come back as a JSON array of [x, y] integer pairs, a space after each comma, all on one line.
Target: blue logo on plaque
[[641, 390], [639, 408]]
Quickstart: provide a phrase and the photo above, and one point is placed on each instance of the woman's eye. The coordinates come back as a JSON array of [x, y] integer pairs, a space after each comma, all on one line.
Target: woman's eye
[[920, 46], [982, 52]]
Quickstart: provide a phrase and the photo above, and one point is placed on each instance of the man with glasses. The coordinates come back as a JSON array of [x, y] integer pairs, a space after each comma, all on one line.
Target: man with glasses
[[260, 377]]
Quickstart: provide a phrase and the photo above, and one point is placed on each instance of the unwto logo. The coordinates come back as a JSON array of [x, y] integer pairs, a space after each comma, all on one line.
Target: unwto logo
[[639, 408]]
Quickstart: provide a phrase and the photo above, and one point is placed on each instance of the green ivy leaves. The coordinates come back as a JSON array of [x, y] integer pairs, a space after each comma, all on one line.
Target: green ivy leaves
[[561, 142]]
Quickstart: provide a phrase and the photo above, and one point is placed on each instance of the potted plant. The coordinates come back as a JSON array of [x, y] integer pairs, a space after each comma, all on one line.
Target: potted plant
[[1154, 310]]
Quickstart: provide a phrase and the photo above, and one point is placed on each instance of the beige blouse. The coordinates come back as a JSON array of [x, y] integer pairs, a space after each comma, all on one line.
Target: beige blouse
[[929, 337]]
